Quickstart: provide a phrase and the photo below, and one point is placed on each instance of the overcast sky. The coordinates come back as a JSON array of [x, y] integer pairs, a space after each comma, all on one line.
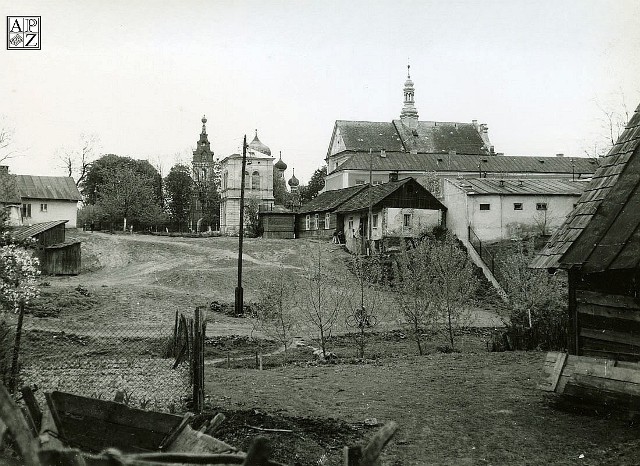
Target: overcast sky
[[140, 74]]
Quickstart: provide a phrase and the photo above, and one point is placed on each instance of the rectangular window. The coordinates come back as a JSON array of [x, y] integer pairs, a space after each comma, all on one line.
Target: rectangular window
[[308, 223], [350, 223], [327, 221], [376, 182], [359, 182], [541, 206], [26, 211], [485, 206], [517, 206], [43, 207], [374, 221], [316, 221], [406, 222]]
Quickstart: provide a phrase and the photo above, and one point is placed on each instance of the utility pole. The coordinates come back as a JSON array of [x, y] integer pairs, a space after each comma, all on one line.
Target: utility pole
[[239, 291], [370, 220]]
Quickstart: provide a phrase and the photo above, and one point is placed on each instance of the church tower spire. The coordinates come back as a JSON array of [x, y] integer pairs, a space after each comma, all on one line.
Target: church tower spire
[[409, 111]]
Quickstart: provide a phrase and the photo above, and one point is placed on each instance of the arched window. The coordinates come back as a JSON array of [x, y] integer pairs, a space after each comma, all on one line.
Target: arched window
[[255, 180]]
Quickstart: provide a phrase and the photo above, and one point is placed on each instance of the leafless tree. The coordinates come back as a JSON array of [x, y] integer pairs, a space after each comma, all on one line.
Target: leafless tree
[[7, 146], [614, 117], [274, 309], [323, 296], [77, 160]]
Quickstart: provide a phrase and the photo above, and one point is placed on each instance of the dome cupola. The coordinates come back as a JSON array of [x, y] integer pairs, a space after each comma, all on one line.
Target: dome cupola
[[280, 165], [257, 146], [293, 181]]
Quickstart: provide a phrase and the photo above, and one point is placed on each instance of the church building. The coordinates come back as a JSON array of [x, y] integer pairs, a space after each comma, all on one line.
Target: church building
[[203, 174], [428, 151], [258, 184]]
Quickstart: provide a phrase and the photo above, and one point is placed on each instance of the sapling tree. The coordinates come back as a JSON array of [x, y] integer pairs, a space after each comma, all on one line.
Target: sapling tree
[[412, 285], [366, 303], [275, 309], [323, 296], [18, 273], [454, 284]]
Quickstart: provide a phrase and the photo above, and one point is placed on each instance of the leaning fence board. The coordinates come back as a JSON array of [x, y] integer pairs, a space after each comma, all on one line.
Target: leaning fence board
[[554, 365]]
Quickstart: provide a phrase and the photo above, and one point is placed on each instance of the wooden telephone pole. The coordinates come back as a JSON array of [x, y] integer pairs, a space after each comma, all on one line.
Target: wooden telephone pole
[[239, 292]]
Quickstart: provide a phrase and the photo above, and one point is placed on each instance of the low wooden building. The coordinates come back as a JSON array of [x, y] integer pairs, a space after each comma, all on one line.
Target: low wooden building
[[599, 245], [277, 222], [318, 217], [57, 255], [401, 209]]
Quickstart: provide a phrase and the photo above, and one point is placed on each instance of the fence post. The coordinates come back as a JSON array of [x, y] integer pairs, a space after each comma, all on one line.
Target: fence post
[[197, 361]]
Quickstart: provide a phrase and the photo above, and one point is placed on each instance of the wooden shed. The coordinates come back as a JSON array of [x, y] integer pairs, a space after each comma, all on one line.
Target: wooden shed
[[599, 246], [57, 255], [277, 222]]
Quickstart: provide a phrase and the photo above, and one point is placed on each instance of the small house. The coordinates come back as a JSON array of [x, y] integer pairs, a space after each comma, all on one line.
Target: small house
[[47, 199], [399, 210], [318, 217], [497, 209], [599, 246], [57, 255]]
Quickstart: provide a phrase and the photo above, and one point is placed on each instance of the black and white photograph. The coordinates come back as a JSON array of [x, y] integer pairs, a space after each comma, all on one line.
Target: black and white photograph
[[320, 233]]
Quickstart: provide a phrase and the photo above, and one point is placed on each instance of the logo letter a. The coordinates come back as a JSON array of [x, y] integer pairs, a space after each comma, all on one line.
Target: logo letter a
[[16, 26]]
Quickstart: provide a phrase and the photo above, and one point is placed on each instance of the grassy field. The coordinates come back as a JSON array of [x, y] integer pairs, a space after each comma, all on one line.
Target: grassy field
[[470, 407]]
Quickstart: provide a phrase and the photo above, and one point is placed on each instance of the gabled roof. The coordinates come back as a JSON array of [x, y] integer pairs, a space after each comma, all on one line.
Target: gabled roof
[[47, 187], [373, 195], [329, 200], [603, 230], [22, 233], [521, 187], [464, 163], [429, 137]]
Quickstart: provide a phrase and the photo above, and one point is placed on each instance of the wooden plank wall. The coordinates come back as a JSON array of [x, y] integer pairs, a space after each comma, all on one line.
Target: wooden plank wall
[[62, 260], [278, 226], [608, 325]]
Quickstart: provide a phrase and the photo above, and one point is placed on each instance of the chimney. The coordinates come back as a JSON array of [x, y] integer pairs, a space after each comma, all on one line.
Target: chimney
[[393, 176], [4, 169], [474, 123], [559, 155], [383, 153], [484, 128]]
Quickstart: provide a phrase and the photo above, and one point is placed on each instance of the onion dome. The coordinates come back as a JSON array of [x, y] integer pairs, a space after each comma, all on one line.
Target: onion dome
[[294, 181], [280, 165], [258, 146]]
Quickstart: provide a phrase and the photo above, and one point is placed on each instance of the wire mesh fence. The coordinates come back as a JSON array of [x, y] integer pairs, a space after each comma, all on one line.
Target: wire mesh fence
[[140, 362]]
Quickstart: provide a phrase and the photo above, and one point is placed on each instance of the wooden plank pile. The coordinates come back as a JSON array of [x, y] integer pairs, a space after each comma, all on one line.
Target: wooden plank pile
[[607, 383], [80, 431]]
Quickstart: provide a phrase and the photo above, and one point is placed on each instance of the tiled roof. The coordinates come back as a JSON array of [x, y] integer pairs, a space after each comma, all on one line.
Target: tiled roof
[[529, 186], [329, 200], [378, 193], [47, 187], [603, 230], [22, 233], [436, 137], [429, 137], [462, 163]]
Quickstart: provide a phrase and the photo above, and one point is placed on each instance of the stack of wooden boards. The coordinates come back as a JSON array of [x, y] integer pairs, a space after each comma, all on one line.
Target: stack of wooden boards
[[81, 431], [603, 382]]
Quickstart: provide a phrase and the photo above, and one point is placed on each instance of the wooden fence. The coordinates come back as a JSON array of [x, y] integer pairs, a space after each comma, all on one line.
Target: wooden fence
[[188, 344]]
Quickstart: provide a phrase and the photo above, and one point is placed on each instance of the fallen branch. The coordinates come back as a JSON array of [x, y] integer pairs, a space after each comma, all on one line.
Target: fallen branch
[[263, 429]]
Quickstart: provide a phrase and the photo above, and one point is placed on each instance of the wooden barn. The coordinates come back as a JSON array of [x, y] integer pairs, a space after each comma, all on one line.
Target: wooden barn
[[599, 246], [277, 222], [57, 255]]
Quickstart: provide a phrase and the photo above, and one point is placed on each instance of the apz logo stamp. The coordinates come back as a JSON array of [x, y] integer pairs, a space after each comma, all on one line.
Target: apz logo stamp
[[23, 32]]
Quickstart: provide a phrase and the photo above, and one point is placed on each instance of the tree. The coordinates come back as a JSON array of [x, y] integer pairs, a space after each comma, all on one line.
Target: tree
[[323, 297], [18, 273], [536, 298], [100, 169], [125, 195], [366, 303], [412, 285], [316, 183], [454, 284], [7, 149], [280, 194], [252, 217], [77, 160], [178, 187], [274, 309], [8, 194]]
